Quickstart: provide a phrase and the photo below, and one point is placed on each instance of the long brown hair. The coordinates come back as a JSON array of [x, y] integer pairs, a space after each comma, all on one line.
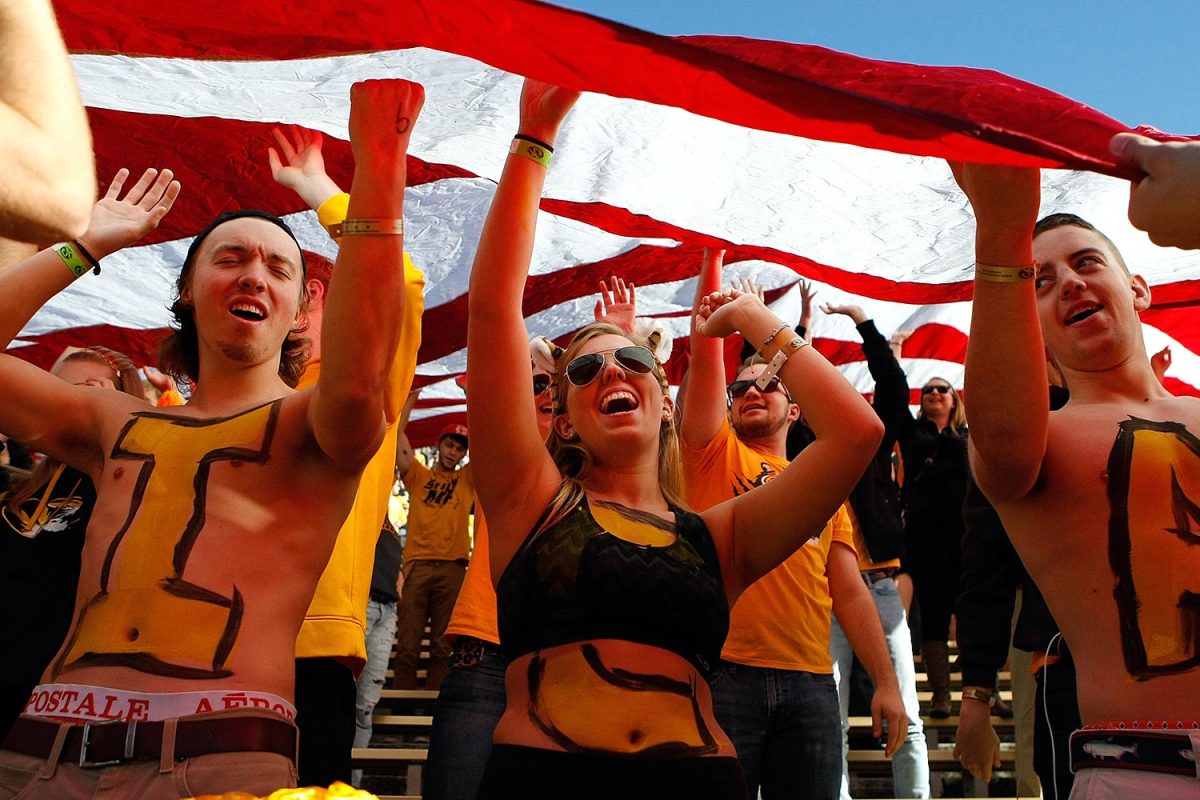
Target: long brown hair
[[572, 457], [179, 351], [125, 378]]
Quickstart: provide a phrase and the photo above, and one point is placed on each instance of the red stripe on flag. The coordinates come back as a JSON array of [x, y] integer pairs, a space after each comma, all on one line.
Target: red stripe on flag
[[222, 164], [957, 113]]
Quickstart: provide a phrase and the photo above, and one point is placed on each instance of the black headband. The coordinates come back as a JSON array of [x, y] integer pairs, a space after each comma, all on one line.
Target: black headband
[[228, 216]]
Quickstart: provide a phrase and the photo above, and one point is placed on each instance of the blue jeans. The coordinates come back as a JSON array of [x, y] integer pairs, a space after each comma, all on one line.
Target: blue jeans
[[784, 726], [910, 765], [381, 632], [469, 705]]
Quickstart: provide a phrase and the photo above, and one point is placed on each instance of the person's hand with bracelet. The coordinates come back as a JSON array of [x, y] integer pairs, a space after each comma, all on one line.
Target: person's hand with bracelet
[[976, 746]]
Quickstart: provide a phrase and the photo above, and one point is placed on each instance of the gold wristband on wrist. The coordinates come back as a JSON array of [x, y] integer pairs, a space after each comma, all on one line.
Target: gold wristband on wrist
[[367, 227], [986, 272]]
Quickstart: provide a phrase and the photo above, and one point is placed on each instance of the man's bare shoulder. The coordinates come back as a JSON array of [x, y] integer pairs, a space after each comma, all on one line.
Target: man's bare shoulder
[[1083, 439]]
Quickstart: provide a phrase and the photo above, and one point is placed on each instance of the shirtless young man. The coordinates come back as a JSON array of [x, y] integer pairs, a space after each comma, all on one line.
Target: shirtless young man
[[215, 519], [1097, 497]]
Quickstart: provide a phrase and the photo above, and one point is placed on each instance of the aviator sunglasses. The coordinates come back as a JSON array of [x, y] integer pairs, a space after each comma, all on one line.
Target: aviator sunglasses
[[582, 370], [739, 388], [930, 389], [540, 384]]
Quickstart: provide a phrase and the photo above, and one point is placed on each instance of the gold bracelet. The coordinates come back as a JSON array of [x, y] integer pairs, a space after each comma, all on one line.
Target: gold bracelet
[[985, 272], [531, 150], [367, 227]]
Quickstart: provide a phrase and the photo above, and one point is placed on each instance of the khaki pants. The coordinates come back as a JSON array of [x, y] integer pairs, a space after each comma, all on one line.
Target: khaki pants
[[29, 778], [430, 592]]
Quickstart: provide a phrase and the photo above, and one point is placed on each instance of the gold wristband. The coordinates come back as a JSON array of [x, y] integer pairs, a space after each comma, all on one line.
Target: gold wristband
[[985, 272], [75, 262], [367, 227], [532, 151]]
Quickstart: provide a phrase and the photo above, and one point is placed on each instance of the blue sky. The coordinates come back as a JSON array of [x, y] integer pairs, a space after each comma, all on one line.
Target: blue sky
[[1137, 62]]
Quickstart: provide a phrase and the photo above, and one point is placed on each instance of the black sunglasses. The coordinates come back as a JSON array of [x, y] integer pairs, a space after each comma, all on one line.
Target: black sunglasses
[[739, 388], [540, 384], [583, 369], [935, 388]]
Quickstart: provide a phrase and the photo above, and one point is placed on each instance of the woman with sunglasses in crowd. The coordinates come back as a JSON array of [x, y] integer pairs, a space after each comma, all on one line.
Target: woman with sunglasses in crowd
[[613, 600], [933, 452]]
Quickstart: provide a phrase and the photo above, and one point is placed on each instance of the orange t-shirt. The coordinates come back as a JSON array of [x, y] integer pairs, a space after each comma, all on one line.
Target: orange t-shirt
[[865, 564], [782, 620], [475, 612], [439, 508]]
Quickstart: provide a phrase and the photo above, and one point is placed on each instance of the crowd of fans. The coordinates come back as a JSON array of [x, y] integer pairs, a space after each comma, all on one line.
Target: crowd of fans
[[630, 591]]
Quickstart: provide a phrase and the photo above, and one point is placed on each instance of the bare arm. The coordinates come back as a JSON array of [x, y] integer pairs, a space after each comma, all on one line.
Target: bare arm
[[514, 475], [1005, 370], [299, 165], [856, 613], [763, 527], [404, 451], [45, 145], [70, 432], [365, 307], [702, 415]]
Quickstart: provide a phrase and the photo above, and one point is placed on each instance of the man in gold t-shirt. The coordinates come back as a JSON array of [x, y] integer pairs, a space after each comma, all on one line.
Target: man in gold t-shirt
[[774, 694], [435, 554]]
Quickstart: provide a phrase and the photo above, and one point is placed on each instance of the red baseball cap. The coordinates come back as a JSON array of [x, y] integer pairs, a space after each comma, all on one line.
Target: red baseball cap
[[454, 430]]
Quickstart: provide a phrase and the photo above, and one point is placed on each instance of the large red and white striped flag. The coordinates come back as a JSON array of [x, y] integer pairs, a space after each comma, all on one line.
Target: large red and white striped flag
[[802, 162]]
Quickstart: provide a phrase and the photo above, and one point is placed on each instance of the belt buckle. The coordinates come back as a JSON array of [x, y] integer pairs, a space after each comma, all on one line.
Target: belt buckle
[[85, 740]]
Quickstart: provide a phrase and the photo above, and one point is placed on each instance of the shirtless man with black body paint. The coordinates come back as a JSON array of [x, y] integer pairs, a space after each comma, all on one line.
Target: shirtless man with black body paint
[[1099, 497], [214, 520]]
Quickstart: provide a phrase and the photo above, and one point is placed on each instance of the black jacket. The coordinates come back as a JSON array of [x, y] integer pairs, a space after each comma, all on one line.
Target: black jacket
[[874, 498], [935, 464], [991, 573]]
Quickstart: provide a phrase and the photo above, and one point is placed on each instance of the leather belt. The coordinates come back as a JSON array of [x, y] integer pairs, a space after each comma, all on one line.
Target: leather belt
[[876, 575], [105, 744]]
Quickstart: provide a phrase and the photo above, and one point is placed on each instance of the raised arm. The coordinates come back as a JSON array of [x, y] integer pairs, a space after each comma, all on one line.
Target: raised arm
[[70, 432], [299, 165], [1165, 203], [45, 145], [705, 408], [767, 525], [404, 451], [1005, 370], [891, 384], [365, 307], [514, 474]]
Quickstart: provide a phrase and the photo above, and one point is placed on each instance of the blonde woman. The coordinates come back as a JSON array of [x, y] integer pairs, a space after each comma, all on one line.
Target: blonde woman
[[613, 598]]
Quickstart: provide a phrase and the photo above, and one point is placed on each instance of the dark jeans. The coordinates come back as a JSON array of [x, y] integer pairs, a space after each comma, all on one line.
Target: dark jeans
[[468, 707], [934, 559], [1056, 715], [325, 697], [786, 726], [529, 773]]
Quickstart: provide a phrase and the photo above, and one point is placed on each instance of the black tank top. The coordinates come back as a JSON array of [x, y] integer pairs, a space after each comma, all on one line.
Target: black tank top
[[576, 581]]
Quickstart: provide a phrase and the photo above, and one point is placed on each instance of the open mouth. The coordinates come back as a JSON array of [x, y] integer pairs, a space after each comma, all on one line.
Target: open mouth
[[618, 403], [1083, 314], [248, 312]]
